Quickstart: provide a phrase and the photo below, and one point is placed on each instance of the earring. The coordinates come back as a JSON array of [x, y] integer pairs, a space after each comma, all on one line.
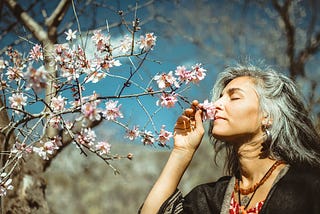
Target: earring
[[265, 126], [268, 136]]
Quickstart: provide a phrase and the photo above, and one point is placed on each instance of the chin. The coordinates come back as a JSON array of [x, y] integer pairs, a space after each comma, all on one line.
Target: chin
[[223, 137]]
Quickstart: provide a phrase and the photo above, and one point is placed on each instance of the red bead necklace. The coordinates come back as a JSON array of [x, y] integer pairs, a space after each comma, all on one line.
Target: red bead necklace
[[257, 185]]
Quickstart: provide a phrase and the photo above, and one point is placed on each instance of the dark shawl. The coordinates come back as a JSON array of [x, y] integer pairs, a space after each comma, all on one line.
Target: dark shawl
[[297, 192]]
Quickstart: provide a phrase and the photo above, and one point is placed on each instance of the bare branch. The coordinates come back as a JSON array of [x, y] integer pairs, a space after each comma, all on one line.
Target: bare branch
[[58, 14], [313, 21], [27, 20], [311, 49], [290, 32], [67, 138]]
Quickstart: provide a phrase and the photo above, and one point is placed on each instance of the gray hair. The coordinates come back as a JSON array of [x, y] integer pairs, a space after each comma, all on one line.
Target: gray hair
[[295, 139]]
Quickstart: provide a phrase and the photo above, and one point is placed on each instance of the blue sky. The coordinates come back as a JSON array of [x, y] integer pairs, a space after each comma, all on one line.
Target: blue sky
[[173, 50]]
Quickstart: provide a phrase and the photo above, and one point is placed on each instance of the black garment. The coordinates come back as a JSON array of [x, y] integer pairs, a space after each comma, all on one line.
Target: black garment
[[297, 192]]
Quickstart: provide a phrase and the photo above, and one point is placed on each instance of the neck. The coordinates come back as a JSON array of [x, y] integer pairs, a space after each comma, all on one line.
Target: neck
[[252, 163], [253, 170]]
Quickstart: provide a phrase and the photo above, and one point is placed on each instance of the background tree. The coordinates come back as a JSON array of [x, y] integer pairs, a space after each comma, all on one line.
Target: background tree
[[283, 33], [54, 77]]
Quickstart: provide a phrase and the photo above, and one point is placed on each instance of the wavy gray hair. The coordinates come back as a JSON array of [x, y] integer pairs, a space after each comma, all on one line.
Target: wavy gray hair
[[294, 136]]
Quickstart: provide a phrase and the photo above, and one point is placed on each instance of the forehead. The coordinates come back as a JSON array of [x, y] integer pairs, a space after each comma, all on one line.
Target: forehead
[[242, 84]]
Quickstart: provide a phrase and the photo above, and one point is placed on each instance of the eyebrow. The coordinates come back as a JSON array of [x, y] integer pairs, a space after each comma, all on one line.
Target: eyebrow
[[233, 90]]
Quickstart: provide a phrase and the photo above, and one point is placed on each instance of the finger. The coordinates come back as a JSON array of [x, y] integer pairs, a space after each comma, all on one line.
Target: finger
[[183, 122], [198, 119], [189, 112], [193, 108], [195, 102]]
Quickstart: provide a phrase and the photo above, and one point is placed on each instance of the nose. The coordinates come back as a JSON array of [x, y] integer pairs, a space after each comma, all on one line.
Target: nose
[[218, 104]]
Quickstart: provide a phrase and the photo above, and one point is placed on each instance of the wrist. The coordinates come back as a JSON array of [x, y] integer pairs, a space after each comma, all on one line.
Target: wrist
[[183, 154]]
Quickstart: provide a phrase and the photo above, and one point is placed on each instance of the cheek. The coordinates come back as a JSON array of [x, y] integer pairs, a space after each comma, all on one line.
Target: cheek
[[240, 120], [247, 118]]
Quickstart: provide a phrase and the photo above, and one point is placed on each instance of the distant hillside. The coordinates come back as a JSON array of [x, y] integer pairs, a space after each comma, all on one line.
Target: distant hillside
[[79, 184]]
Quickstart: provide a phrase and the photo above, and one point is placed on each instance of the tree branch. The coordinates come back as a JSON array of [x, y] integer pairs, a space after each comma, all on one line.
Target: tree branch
[[58, 14], [67, 138], [311, 49], [36, 29], [290, 33], [56, 17]]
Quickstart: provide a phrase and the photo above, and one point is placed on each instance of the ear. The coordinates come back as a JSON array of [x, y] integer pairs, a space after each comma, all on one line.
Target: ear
[[267, 120]]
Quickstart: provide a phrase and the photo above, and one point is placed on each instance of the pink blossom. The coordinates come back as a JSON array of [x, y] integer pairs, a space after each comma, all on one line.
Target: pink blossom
[[133, 133], [68, 124], [147, 42], [36, 78], [104, 63], [3, 64], [167, 100], [70, 73], [21, 147], [103, 147], [72, 62], [61, 48], [107, 64], [18, 100], [57, 140], [112, 111], [46, 149], [41, 152], [91, 98], [125, 44], [50, 147], [71, 35], [36, 53], [196, 74], [97, 36], [58, 103], [166, 80], [15, 57], [14, 73], [81, 62], [54, 121], [164, 136], [101, 41], [95, 76], [91, 111], [209, 110], [87, 136], [5, 184], [183, 74], [199, 72], [147, 138]]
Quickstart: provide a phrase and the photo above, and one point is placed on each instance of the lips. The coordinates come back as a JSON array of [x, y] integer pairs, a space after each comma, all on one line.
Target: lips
[[217, 117]]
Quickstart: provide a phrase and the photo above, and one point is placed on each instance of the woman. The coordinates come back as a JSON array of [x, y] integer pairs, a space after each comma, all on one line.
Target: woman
[[273, 150]]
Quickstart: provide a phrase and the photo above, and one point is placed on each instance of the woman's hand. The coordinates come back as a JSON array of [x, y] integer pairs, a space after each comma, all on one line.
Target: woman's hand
[[189, 130], [188, 133]]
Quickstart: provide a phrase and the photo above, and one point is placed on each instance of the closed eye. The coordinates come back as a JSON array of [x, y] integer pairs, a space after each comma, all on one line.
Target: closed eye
[[234, 98]]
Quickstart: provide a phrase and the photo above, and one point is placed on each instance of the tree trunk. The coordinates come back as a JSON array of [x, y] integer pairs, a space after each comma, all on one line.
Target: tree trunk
[[28, 195]]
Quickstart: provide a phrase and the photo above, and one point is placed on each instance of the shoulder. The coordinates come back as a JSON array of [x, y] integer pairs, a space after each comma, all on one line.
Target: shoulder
[[303, 173], [301, 176], [295, 192]]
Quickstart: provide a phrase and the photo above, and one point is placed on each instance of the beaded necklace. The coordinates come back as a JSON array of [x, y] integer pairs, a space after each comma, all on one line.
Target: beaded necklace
[[245, 201]]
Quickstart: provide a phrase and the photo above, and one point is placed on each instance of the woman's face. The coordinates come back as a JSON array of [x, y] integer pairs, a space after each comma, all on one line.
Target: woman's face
[[238, 118]]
